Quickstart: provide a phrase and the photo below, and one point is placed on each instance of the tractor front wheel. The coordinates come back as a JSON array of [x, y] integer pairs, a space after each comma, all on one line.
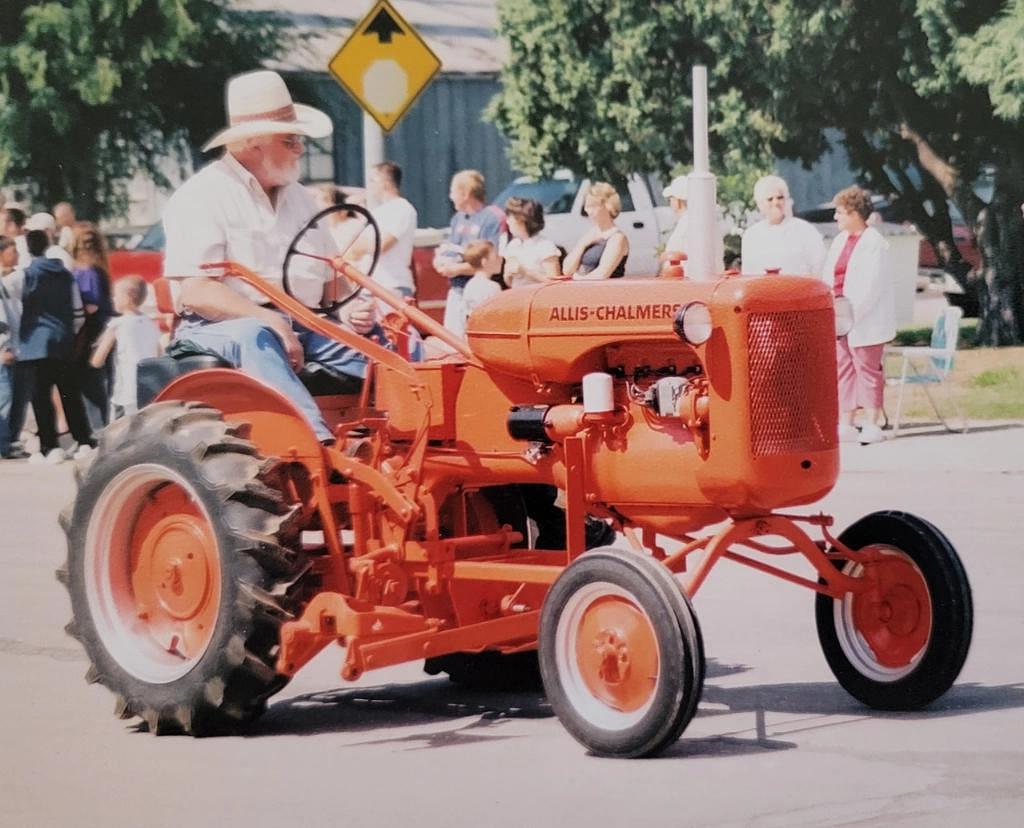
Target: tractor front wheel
[[179, 570], [900, 643], [621, 654]]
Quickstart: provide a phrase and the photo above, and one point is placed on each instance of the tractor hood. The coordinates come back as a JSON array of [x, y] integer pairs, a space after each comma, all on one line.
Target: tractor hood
[[558, 332]]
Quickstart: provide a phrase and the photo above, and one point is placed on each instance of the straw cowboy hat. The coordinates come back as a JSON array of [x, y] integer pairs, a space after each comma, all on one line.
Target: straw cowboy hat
[[258, 103]]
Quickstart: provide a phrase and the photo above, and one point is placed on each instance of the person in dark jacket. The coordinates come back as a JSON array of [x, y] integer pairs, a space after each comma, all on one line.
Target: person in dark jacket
[[91, 272], [51, 315]]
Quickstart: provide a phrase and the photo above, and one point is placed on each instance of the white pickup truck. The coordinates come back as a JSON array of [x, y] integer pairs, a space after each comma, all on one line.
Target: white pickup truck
[[646, 217]]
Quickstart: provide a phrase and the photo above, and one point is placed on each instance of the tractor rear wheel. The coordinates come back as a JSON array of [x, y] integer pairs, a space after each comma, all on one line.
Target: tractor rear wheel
[[621, 654], [901, 643], [180, 570]]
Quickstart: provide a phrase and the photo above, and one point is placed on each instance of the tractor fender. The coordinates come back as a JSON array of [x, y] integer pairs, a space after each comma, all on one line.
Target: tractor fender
[[277, 426]]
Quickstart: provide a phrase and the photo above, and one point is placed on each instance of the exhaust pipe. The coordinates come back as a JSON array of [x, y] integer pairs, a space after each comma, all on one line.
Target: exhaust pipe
[[701, 190]]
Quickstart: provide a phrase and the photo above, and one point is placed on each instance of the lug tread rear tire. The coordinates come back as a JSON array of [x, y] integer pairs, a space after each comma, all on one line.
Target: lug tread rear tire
[[256, 549]]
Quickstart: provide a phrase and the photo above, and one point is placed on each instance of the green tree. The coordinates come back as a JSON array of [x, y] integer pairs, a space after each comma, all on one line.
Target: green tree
[[92, 91], [603, 87], [927, 94]]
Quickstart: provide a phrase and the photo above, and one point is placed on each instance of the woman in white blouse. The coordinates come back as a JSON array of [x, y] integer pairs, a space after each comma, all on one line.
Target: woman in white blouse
[[855, 268], [529, 257]]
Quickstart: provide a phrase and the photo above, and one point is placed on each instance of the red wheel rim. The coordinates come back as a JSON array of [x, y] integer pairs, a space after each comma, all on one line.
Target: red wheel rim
[[887, 626], [153, 577], [175, 572], [608, 656]]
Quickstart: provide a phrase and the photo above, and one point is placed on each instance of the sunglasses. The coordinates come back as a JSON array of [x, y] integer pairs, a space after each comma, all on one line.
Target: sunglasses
[[293, 142]]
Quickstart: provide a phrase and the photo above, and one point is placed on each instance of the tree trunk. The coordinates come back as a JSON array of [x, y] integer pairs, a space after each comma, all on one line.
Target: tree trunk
[[999, 280]]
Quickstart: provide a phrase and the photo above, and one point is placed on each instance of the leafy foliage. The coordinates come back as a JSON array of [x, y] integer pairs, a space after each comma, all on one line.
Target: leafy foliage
[[92, 91], [927, 94], [603, 86]]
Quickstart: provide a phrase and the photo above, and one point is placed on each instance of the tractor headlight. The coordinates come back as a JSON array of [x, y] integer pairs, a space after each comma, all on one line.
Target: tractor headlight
[[844, 316], [693, 323]]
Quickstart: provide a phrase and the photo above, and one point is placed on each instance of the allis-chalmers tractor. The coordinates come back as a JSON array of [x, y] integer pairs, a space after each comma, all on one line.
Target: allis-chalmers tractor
[[216, 546]]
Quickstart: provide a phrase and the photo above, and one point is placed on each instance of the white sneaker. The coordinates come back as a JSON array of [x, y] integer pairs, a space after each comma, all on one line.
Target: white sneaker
[[56, 456], [83, 452], [870, 433], [36, 458], [848, 434]]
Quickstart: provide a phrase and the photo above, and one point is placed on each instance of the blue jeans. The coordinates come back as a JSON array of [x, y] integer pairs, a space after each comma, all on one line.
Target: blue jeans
[[6, 398], [256, 350]]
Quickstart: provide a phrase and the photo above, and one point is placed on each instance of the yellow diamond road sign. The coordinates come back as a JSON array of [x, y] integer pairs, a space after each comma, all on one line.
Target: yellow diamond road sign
[[384, 65]]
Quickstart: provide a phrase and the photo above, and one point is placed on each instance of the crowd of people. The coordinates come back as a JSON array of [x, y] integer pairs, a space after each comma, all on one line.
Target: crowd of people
[[67, 335], [65, 340]]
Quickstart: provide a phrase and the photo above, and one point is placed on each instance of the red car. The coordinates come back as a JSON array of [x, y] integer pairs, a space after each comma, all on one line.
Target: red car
[[144, 259]]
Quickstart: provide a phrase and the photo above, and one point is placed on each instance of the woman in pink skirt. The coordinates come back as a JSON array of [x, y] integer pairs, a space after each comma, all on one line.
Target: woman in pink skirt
[[855, 268]]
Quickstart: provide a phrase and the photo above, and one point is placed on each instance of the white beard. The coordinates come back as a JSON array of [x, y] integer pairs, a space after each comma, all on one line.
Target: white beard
[[282, 176]]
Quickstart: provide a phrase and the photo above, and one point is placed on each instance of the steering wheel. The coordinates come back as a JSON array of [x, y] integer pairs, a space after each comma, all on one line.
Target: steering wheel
[[314, 223]]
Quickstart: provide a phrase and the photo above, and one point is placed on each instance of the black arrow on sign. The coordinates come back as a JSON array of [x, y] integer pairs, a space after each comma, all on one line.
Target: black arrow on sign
[[384, 26]]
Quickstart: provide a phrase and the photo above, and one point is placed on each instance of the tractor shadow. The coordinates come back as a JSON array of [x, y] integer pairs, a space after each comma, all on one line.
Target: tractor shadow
[[444, 714], [378, 708], [829, 699], [818, 706], [430, 701]]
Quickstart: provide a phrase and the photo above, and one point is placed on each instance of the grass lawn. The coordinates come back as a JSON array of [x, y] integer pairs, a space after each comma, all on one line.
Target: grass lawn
[[988, 384]]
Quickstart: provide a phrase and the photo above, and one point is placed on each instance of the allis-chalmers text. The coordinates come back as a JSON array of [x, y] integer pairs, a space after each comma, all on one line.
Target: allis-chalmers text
[[613, 313]]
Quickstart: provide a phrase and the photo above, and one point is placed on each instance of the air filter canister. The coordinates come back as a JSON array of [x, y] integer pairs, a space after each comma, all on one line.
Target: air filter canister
[[597, 393]]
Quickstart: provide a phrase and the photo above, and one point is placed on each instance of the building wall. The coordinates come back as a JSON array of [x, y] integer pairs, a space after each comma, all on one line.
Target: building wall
[[442, 133]]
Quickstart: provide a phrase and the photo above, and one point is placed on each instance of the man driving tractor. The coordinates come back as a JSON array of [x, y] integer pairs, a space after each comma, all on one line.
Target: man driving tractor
[[246, 207]]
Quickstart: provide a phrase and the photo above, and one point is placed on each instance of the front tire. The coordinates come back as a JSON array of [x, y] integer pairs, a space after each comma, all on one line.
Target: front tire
[[621, 654], [900, 644], [180, 570]]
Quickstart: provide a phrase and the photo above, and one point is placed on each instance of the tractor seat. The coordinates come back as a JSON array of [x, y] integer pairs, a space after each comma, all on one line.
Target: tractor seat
[[185, 356]]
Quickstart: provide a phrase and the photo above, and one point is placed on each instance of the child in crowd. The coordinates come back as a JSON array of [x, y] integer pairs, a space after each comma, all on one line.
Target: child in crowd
[[482, 256], [136, 336]]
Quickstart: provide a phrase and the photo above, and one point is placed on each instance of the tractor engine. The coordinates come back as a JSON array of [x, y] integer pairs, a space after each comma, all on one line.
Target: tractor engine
[[722, 395]]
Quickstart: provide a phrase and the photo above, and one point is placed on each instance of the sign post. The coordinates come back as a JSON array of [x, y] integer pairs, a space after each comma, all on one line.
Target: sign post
[[385, 65]]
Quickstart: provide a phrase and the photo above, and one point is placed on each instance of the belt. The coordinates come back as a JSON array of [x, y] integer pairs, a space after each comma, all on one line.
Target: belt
[[188, 316]]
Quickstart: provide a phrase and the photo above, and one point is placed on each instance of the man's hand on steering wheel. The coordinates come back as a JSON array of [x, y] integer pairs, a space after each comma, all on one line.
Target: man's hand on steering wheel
[[296, 249], [361, 315]]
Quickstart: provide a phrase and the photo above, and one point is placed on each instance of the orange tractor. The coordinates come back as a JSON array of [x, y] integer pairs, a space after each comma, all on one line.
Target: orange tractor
[[216, 546]]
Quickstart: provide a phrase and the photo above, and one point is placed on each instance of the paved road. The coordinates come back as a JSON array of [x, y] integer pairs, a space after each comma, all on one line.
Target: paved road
[[775, 743]]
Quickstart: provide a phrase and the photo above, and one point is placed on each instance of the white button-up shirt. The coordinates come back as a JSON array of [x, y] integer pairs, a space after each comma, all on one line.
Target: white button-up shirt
[[223, 214], [793, 246]]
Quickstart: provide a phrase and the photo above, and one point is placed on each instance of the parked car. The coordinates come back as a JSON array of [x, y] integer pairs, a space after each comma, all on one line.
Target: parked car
[[139, 254]]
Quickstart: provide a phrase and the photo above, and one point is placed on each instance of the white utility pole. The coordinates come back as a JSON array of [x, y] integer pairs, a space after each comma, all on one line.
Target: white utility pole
[[373, 146]]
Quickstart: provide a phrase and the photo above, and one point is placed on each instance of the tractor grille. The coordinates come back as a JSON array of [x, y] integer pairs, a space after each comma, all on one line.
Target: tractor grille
[[793, 395]]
